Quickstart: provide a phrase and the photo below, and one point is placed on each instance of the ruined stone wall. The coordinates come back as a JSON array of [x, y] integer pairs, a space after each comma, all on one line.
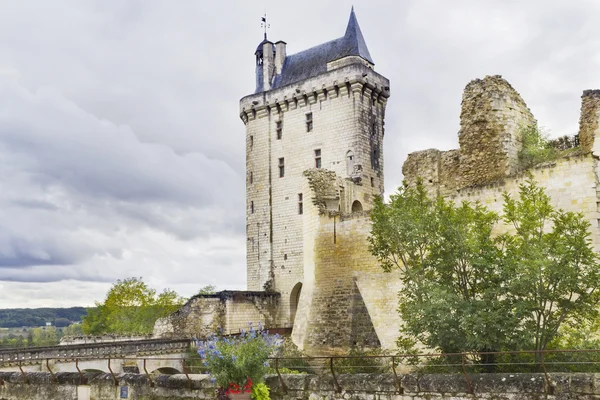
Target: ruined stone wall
[[491, 117], [243, 308], [588, 121], [571, 181], [227, 312], [347, 105]]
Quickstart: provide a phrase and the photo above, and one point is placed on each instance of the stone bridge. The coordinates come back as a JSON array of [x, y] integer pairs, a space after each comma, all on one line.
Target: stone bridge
[[164, 356]]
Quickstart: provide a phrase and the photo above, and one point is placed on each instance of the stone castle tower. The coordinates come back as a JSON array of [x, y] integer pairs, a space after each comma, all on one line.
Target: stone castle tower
[[314, 164], [314, 134]]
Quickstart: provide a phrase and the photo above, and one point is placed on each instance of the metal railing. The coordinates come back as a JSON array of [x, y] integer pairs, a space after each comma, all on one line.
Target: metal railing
[[95, 350], [463, 363]]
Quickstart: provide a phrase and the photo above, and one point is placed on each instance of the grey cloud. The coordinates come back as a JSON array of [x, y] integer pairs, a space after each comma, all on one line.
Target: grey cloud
[[121, 149]]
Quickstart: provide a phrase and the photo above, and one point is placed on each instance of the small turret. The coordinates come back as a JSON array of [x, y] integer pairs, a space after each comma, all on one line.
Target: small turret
[[264, 62]]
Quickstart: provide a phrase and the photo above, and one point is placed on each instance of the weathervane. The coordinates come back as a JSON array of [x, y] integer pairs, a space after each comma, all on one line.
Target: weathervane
[[264, 24]]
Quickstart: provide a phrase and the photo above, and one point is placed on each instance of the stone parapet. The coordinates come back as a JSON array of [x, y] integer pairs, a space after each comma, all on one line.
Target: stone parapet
[[35, 355], [100, 386], [330, 85]]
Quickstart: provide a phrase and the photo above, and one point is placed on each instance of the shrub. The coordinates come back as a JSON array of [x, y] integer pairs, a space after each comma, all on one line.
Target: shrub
[[361, 361], [292, 360], [536, 147], [239, 361]]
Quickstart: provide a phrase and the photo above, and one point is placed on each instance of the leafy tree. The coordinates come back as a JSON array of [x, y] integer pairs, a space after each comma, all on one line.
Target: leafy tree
[[73, 330], [466, 290], [536, 147], [45, 336], [130, 307], [94, 322], [452, 297], [208, 289], [555, 275]]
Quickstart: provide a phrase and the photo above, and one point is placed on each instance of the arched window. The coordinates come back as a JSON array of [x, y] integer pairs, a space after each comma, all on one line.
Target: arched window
[[294, 301], [349, 162], [356, 206]]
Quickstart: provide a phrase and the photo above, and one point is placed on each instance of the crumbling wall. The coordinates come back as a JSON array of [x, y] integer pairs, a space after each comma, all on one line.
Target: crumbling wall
[[449, 172], [588, 121], [491, 117], [425, 165], [227, 312], [324, 188]]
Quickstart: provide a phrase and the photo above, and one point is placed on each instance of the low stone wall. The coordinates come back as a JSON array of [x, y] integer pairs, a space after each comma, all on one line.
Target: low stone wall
[[357, 386], [69, 386], [438, 386]]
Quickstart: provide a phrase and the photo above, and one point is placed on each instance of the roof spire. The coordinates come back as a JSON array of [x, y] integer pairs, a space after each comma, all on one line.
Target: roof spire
[[355, 37]]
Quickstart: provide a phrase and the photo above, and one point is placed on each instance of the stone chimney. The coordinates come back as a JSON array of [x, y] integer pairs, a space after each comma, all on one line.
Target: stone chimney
[[268, 65], [588, 121], [279, 56]]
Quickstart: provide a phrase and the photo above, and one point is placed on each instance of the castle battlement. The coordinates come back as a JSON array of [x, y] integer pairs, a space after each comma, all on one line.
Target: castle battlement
[[348, 80]]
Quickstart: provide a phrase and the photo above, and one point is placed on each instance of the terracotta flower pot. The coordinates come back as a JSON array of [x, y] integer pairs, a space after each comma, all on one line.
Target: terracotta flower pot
[[239, 396]]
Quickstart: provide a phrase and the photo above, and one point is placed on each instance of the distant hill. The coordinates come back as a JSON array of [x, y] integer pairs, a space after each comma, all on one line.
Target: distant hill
[[31, 317]]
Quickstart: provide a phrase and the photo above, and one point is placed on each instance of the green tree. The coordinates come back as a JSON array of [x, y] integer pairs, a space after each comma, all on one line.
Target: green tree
[[466, 290], [536, 148], [73, 330], [208, 289], [452, 296], [94, 323], [555, 271], [130, 307], [45, 336]]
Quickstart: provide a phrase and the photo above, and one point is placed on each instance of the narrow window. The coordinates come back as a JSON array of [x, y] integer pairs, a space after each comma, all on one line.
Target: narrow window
[[285, 257], [279, 129], [349, 162], [372, 182], [281, 168], [309, 122], [318, 158], [300, 204], [251, 141], [251, 207], [251, 177]]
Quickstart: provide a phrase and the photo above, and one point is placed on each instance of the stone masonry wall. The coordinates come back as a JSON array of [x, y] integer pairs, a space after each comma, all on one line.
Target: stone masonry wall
[[588, 121], [227, 311], [358, 387], [437, 386], [491, 116], [347, 106], [342, 312], [572, 181]]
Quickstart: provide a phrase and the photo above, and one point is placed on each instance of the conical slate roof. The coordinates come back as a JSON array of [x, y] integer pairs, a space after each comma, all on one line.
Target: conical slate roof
[[312, 62]]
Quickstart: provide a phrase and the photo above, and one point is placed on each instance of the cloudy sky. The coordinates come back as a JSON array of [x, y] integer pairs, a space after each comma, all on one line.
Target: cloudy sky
[[121, 149]]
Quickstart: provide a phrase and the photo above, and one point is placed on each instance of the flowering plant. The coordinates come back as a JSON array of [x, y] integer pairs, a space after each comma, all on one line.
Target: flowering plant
[[236, 362]]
